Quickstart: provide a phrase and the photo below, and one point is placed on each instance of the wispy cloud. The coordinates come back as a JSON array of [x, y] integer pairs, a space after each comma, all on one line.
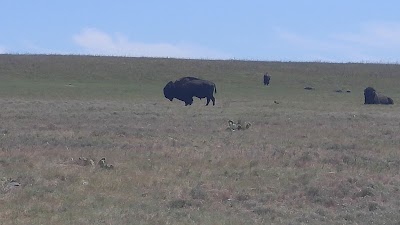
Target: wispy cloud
[[2, 50], [307, 48], [377, 35], [94, 41], [371, 42], [34, 48]]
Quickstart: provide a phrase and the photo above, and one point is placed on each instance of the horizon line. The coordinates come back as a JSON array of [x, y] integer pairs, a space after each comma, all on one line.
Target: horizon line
[[207, 59]]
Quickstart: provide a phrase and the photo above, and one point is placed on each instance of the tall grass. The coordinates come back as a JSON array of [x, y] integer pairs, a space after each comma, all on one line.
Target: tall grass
[[317, 157]]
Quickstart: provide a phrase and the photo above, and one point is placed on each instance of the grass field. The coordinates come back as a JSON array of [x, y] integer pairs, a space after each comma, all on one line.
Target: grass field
[[317, 157]]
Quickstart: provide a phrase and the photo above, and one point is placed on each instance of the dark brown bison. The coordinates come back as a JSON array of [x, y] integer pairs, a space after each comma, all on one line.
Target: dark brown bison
[[185, 79], [267, 78], [186, 88], [372, 97]]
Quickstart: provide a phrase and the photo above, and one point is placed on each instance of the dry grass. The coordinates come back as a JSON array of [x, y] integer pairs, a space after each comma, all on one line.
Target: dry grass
[[180, 165], [316, 158]]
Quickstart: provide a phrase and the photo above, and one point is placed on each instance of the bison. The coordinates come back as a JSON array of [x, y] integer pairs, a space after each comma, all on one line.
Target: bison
[[372, 97], [186, 88], [267, 78]]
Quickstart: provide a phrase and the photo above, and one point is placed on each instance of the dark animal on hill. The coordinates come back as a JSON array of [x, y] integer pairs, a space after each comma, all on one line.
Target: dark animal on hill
[[373, 97], [186, 88], [267, 78], [342, 91]]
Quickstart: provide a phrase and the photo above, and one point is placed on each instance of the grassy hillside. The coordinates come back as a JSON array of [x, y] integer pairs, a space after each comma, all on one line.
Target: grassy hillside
[[134, 78], [317, 157]]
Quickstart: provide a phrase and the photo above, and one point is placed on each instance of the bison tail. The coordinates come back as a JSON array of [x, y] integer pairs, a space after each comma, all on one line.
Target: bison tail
[[215, 89]]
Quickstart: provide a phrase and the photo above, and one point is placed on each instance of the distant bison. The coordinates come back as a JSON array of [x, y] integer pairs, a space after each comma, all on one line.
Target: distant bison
[[341, 91], [372, 97], [186, 88], [267, 78], [308, 88]]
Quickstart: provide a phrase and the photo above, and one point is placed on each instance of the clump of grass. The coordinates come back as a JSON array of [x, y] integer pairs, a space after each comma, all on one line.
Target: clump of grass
[[198, 192], [367, 191], [179, 203], [242, 197]]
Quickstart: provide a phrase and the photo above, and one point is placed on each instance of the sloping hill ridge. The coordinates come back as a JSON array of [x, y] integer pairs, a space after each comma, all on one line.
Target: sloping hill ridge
[[233, 76]]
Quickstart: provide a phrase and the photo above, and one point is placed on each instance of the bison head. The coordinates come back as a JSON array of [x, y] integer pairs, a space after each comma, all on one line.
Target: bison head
[[369, 95], [169, 91]]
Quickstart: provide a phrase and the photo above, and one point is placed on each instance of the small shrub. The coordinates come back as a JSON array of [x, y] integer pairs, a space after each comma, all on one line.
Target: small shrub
[[348, 217], [242, 197], [303, 159], [198, 193], [372, 206], [266, 211], [178, 203], [365, 192], [313, 192]]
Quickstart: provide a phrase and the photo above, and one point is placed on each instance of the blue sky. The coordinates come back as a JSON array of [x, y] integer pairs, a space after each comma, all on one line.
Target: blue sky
[[297, 30]]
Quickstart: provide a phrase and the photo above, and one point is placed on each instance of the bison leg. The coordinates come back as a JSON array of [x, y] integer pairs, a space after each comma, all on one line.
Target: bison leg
[[208, 100], [212, 99], [189, 101]]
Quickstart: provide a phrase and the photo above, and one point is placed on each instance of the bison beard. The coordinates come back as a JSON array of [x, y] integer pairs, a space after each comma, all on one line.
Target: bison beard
[[372, 97], [186, 88]]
